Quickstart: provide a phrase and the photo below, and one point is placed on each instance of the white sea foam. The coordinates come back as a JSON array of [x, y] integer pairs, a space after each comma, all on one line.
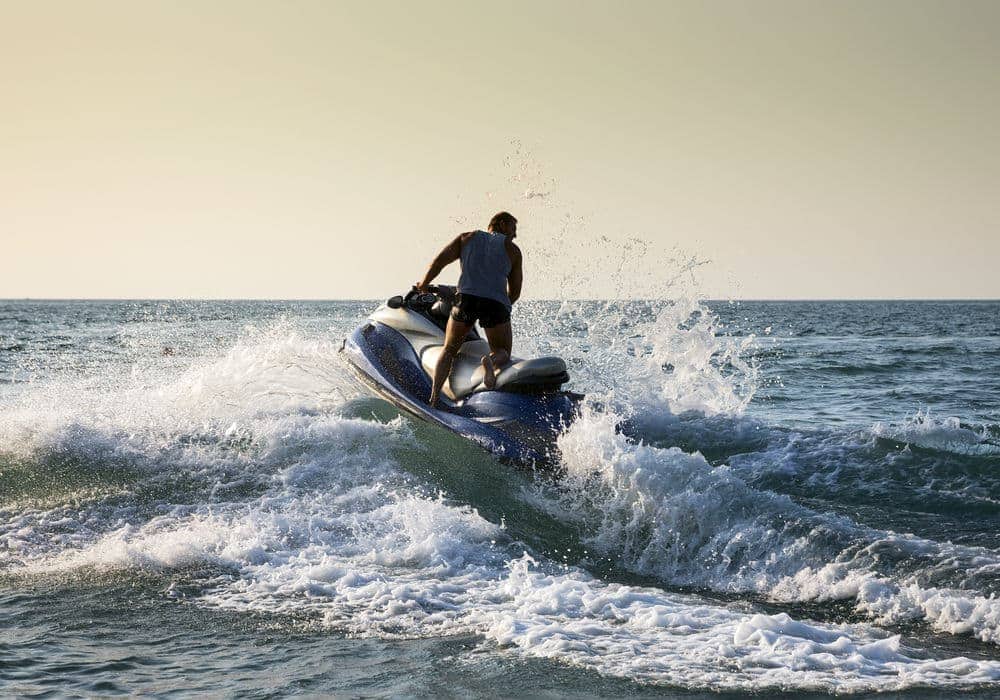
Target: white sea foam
[[405, 566], [672, 515], [945, 434], [684, 364], [650, 360]]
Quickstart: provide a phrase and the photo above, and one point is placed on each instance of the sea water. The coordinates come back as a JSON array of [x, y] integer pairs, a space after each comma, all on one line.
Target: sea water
[[196, 497]]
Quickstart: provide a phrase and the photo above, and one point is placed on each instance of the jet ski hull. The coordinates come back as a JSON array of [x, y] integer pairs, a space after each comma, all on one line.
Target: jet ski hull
[[517, 427]]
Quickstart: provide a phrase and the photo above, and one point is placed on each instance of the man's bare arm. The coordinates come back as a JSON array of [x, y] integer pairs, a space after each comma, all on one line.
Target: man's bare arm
[[516, 276], [449, 254]]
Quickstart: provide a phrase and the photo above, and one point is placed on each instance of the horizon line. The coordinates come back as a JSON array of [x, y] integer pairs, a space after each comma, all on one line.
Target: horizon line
[[360, 299]]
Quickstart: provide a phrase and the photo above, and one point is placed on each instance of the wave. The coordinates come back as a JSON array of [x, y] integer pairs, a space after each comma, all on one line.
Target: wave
[[674, 516], [945, 435], [250, 482], [361, 550], [406, 567]]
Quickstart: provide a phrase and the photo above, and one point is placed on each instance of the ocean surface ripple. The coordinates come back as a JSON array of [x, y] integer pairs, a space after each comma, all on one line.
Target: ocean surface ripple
[[196, 497]]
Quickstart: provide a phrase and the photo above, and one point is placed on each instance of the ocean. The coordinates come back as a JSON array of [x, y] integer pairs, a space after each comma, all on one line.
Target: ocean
[[196, 497]]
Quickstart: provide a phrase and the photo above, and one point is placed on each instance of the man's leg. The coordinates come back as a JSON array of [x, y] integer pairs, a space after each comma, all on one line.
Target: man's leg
[[453, 337], [500, 338]]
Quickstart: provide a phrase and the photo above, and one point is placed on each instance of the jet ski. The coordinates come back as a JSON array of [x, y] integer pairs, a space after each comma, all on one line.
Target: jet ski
[[395, 351]]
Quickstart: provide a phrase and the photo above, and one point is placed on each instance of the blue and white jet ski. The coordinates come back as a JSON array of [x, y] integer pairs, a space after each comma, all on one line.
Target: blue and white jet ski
[[395, 351]]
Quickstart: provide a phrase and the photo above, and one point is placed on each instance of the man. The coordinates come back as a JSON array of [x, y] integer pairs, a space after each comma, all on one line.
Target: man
[[489, 284]]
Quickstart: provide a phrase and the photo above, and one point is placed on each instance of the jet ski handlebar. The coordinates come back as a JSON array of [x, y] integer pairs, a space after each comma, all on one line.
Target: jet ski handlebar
[[422, 299]]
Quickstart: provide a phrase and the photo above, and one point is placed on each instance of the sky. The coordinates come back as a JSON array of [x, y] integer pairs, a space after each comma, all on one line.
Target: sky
[[230, 149]]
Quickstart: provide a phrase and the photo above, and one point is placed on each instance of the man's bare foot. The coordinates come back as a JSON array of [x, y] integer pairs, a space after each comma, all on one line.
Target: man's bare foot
[[489, 372]]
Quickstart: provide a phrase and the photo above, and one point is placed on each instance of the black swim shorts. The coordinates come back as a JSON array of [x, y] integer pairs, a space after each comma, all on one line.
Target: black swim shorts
[[489, 312]]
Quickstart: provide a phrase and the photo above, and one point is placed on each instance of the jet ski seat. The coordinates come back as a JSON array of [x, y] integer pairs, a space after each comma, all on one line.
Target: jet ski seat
[[540, 374]]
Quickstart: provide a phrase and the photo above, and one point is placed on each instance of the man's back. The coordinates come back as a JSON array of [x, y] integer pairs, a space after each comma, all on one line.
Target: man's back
[[485, 266]]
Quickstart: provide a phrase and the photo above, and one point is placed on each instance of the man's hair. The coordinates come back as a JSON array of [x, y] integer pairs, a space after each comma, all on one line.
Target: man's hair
[[502, 218]]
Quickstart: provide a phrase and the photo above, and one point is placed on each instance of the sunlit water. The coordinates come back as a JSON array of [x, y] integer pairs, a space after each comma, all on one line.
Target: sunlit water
[[197, 497]]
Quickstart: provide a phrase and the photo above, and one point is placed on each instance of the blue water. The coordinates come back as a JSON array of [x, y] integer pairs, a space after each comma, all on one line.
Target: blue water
[[196, 497]]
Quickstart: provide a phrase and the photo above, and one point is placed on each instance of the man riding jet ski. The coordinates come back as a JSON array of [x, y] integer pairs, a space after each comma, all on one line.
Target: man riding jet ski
[[490, 283], [422, 353]]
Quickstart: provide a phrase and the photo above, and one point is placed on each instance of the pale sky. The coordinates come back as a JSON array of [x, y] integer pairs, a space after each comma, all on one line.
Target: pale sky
[[327, 149]]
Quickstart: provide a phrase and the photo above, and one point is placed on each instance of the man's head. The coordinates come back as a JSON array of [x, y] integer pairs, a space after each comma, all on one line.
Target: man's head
[[504, 223]]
